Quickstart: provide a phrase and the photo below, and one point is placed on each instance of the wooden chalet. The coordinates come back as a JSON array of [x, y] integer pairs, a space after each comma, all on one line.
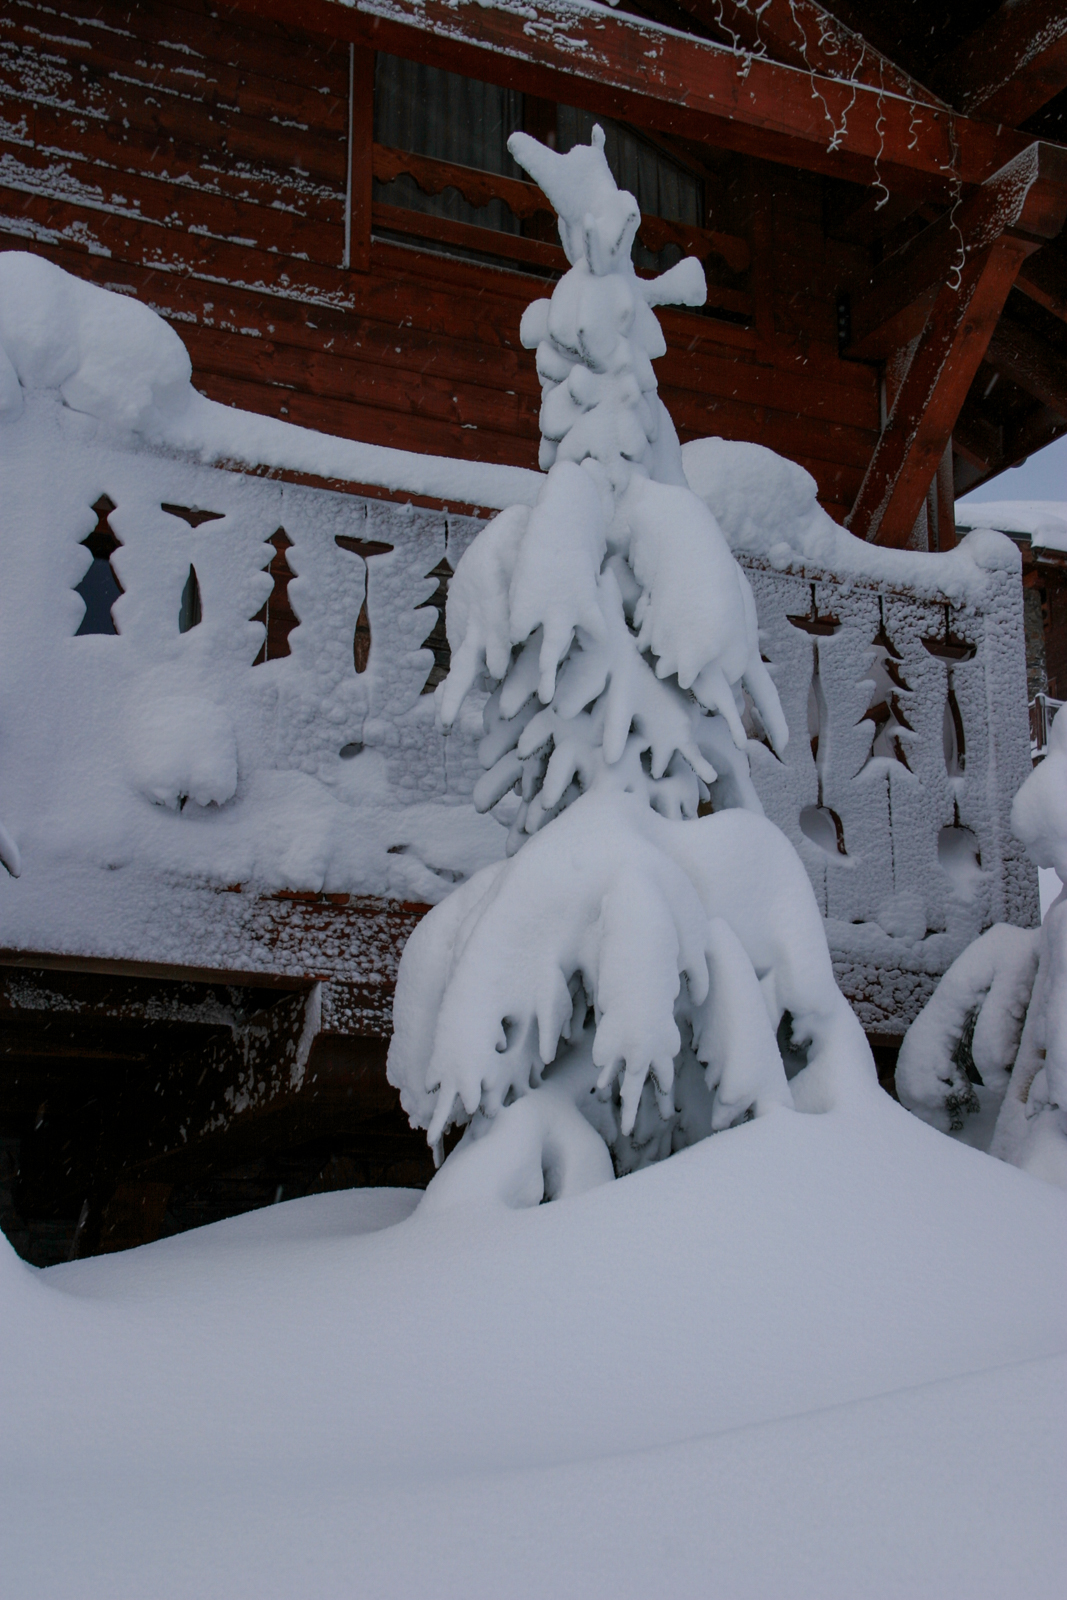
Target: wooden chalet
[[318, 197]]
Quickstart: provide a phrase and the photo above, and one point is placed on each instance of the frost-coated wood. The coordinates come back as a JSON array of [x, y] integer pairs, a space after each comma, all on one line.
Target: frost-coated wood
[[914, 855]]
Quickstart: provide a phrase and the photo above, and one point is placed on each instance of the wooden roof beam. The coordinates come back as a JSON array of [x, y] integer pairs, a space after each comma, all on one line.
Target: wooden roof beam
[[1028, 194], [1011, 66], [624, 66], [928, 402], [1020, 355], [973, 257], [1043, 278], [802, 33]]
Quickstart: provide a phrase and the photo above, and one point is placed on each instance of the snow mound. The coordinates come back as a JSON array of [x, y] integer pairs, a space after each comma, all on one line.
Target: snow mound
[[766, 506], [760, 500], [114, 359], [108, 356], [183, 749], [794, 1350]]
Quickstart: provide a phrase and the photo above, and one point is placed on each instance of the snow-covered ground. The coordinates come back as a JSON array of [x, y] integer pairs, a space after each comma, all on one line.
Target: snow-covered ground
[[811, 1356]]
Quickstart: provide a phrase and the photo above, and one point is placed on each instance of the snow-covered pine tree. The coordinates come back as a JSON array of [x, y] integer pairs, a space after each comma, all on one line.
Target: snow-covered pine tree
[[986, 1058], [622, 981]]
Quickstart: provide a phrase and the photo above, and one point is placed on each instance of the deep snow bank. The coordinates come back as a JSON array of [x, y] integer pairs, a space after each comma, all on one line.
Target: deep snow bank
[[707, 1373]]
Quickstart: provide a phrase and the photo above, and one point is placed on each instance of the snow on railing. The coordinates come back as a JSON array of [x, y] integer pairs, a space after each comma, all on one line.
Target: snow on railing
[[211, 679], [908, 740]]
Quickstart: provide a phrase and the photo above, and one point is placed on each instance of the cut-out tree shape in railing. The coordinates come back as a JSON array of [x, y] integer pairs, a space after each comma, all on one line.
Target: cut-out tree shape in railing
[[889, 698], [277, 614], [100, 588], [437, 638]]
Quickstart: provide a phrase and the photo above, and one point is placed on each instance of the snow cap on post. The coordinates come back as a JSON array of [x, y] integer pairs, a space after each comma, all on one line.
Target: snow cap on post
[[109, 356]]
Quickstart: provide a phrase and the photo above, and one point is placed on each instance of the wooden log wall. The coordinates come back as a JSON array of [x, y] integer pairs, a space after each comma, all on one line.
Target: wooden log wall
[[198, 159]]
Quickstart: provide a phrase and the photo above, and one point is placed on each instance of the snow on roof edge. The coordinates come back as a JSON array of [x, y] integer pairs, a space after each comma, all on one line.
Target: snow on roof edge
[[1044, 522]]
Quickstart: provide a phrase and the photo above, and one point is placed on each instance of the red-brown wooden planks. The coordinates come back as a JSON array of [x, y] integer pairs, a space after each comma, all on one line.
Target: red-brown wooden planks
[[143, 45], [623, 66], [176, 208], [801, 33], [130, 175], [225, 132], [192, 170]]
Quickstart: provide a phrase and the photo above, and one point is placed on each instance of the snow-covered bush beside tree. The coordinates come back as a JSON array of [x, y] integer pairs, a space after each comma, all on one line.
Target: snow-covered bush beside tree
[[987, 1057], [636, 975]]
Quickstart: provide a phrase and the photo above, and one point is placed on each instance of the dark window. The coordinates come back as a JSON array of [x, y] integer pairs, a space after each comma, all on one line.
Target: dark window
[[449, 118], [446, 118]]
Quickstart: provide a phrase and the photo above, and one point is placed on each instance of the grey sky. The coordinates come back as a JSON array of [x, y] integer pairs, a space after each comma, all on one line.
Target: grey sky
[[1042, 477]]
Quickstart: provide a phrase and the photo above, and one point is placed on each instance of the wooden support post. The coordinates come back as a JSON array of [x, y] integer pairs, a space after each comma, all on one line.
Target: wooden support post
[[928, 401], [946, 502], [1043, 279], [360, 158], [1030, 362]]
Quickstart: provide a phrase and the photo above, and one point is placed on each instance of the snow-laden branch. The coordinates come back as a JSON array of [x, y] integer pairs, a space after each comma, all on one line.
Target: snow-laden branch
[[642, 964]]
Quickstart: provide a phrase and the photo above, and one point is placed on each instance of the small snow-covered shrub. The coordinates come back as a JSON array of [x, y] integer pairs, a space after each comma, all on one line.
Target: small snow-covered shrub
[[635, 969], [986, 1058]]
